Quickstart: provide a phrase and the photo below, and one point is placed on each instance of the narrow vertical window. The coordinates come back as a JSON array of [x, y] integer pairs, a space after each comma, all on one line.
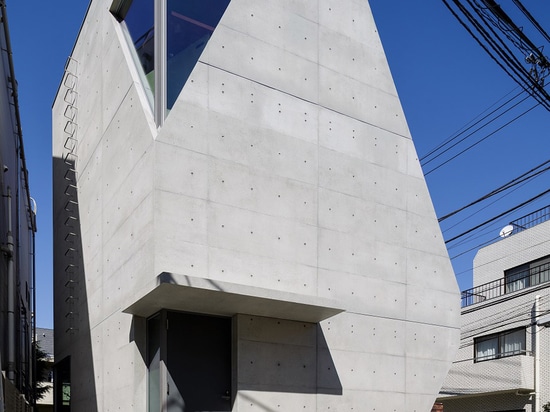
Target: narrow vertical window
[[139, 18], [62, 385], [153, 362]]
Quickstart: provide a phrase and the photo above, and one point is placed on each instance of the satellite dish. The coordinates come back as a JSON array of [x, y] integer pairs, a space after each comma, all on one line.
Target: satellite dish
[[506, 231]]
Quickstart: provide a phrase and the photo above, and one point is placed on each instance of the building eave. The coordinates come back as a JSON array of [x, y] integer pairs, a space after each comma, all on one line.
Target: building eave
[[199, 295]]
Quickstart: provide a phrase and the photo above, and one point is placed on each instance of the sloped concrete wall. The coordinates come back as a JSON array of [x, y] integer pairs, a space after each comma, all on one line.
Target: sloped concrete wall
[[286, 164]]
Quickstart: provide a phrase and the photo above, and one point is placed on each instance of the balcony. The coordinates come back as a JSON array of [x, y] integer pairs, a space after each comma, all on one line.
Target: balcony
[[530, 277], [466, 378], [530, 220]]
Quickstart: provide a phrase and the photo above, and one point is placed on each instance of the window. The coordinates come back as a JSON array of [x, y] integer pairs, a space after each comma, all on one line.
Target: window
[[528, 274], [169, 37], [62, 385], [500, 345], [141, 27], [517, 278]]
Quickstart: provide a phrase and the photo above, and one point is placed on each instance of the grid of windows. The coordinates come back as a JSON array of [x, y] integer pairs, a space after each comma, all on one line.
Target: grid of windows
[[499, 345]]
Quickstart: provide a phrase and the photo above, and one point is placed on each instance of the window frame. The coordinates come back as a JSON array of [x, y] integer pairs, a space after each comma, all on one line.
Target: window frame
[[160, 103], [530, 275], [499, 336]]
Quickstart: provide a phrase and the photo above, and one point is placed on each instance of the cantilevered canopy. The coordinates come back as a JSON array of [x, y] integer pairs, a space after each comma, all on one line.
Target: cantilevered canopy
[[192, 294]]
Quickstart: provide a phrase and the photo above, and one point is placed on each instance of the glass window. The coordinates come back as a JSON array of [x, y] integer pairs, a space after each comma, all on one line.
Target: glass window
[[512, 343], [185, 30], [153, 362], [486, 349], [62, 385], [528, 274], [517, 278], [500, 345], [189, 27], [140, 22]]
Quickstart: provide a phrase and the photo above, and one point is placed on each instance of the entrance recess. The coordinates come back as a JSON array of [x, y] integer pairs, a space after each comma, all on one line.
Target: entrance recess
[[195, 363]]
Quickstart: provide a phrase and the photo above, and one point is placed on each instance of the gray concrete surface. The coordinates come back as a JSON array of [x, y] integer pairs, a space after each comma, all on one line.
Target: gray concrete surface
[[286, 164]]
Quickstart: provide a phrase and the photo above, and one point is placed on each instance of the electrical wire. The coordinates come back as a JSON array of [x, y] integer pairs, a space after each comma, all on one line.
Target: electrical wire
[[508, 62], [496, 260], [465, 128], [531, 19], [481, 140], [476, 130], [520, 179], [499, 216]]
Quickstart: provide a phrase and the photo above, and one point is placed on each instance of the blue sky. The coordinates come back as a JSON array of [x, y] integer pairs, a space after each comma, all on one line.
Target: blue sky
[[444, 80]]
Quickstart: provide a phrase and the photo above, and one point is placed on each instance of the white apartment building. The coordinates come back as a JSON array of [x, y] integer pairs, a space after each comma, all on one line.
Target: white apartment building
[[241, 222], [504, 356]]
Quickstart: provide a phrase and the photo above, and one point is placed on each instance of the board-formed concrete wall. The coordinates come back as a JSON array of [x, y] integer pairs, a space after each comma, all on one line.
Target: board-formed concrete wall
[[285, 169]]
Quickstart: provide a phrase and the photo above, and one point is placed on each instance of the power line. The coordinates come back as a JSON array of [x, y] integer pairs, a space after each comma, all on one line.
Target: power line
[[464, 129], [525, 176], [531, 19], [499, 216], [473, 132], [531, 81], [480, 140]]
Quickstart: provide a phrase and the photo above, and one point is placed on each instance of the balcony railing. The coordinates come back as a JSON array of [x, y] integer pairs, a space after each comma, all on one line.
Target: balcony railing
[[518, 281], [530, 220]]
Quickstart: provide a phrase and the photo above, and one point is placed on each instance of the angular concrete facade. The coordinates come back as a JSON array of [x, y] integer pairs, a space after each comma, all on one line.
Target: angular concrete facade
[[283, 192]]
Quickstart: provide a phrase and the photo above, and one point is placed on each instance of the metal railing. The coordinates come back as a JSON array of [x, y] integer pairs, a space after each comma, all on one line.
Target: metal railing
[[508, 284], [532, 219]]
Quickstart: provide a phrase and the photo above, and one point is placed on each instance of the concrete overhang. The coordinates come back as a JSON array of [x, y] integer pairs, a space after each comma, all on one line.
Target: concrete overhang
[[213, 297]]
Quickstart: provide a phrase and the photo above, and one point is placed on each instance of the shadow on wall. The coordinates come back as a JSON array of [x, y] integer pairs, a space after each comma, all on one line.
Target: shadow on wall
[[295, 359], [74, 385], [272, 355]]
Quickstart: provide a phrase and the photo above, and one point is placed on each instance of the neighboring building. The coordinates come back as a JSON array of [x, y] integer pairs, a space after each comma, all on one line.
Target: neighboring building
[[240, 218], [17, 227], [503, 363], [44, 337]]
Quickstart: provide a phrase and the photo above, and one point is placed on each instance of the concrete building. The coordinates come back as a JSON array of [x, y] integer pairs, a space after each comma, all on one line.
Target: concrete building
[[241, 221], [17, 227], [503, 362]]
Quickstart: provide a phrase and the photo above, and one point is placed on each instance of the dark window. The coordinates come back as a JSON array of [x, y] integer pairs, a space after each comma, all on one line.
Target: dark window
[[190, 25], [139, 18], [62, 385], [528, 274], [500, 345]]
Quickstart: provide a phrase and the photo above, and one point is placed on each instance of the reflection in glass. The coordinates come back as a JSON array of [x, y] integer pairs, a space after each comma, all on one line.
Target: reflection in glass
[[189, 27], [153, 362], [140, 22]]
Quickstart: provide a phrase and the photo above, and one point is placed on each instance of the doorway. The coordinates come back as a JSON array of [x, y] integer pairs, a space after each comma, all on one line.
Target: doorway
[[195, 362]]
